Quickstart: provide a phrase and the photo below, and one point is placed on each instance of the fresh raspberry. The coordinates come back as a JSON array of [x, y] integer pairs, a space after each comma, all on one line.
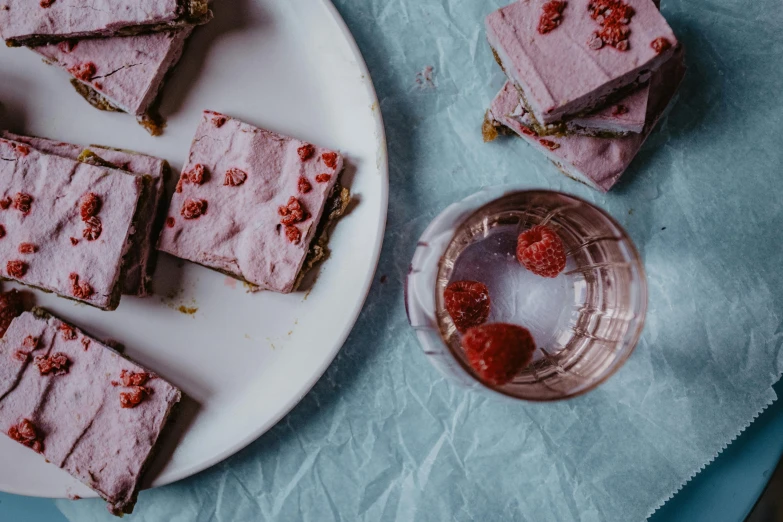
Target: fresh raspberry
[[330, 159], [467, 302], [293, 234], [80, 289], [16, 268], [234, 177], [89, 205], [134, 378], [27, 248], [133, 398], [551, 16], [541, 251], [660, 45], [83, 71], [498, 351], [197, 175], [93, 229], [613, 11], [293, 212], [193, 208], [613, 34], [305, 152], [23, 202], [613, 16], [304, 185], [68, 332], [57, 364], [26, 433]]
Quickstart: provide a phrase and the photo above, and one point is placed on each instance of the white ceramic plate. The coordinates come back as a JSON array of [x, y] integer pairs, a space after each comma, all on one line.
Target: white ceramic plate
[[243, 359]]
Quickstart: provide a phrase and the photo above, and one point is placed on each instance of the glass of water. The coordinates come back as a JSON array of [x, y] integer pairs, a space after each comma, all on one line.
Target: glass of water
[[586, 321]]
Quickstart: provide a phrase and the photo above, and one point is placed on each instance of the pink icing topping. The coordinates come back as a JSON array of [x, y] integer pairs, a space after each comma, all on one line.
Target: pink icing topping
[[241, 232], [597, 161], [137, 263]]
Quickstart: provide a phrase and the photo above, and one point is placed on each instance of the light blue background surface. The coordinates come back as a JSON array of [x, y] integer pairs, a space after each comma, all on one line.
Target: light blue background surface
[[383, 437], [724, 492]]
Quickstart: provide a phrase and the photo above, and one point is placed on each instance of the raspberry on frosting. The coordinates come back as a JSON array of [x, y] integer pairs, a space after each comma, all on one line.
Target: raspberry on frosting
[[541, 251], [264, 212]]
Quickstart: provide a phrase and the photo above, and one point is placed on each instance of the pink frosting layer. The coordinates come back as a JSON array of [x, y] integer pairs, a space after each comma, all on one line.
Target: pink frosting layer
[[138, 261], [241, 232], [129, 70], [598, 162], [73, 18], [613, 119], [78, 415], [56, 185], [608, 119], [559, 74]]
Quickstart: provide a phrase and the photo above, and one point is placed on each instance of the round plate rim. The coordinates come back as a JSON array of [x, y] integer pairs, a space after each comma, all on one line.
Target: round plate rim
[[383, 171], [383, 168]]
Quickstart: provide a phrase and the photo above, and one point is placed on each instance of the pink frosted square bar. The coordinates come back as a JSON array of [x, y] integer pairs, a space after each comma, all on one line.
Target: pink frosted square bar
[[40, 199], [61, 394], [597, 162], [140, 260], [123, 73], [234, 217], [558, 74]]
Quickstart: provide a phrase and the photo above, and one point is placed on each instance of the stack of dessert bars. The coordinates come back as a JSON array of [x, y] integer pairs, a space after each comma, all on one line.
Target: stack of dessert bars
[[117, 52], [588, 80]]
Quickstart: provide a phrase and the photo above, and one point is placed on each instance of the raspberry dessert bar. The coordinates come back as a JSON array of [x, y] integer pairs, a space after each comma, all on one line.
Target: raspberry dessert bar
[[570, 58], [81, 405], [140, 260], [253, 204], [65, 226], [23, 22], [123, 73], [597, 162]]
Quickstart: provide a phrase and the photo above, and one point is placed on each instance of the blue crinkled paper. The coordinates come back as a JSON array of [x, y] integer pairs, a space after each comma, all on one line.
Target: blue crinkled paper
[[384, 437]]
